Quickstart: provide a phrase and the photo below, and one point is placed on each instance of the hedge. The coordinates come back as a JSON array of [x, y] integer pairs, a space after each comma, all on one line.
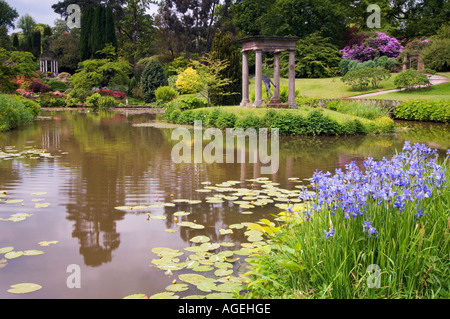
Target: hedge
[[424, 110], [315, 122], [16, 111]]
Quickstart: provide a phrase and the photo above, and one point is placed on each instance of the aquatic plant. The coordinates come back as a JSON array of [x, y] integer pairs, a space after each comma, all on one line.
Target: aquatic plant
[[393, 214]]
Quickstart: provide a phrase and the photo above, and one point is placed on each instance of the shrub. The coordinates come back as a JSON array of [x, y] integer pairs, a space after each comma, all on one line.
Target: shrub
[[191, 103], [248, 122], [57, 85], [15, 111], [72, 102], [226, 120], [381, 45], [411, 79], [390, 64], [437, 55], [165, 94], [364, 110], [92, 101], [316, 57], [423, 110], [362, 78], [105, 102], [152, 78], [37, 86], [188, 81]]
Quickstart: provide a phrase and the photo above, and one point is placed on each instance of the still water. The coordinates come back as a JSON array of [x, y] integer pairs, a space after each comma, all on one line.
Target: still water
[[101, 161]]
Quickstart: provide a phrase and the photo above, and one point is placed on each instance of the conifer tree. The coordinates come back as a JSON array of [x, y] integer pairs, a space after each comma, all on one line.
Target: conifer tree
[[85, 36], [110, 31], [224, 49]]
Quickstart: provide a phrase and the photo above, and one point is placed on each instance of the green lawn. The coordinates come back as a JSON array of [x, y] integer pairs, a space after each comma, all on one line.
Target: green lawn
[[437, 92], [329, 88]]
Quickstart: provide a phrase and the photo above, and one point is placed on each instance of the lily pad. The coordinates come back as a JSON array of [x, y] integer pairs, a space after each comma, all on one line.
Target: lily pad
[[191, 225], [229, 287], [202, 268], [223, 272], [254, 238], [200, 239], [136, 296], [227, 244], [39, 193], [219, 295], [13, 201], [181, 213], [206, 285], [18, 217], [47, 243], [41, 205], [5, 250], [225, 231], [13, 254], [165, 295], [166, 252], [24, 288], [177, 287], [32, 252], [158, 217], [171, 231], [196, 201], [194, 297], [192, 278]]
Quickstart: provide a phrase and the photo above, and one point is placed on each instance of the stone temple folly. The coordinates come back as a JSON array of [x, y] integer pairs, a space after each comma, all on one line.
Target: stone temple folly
[[260, 44]]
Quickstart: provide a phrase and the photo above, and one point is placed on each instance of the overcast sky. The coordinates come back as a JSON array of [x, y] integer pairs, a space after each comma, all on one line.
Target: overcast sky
[[40, 10]]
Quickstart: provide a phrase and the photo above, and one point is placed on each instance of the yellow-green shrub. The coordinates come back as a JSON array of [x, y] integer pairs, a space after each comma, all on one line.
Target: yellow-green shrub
[[187, 82]]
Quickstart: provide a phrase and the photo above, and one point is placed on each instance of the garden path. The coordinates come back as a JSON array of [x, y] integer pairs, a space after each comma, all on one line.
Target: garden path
[[434, 79]]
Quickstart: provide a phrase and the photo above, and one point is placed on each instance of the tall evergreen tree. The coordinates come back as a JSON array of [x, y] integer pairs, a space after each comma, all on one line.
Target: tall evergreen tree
[[15, 41], [110, 30], [223, 48], [97, 31], [85, 35], [36, 43]]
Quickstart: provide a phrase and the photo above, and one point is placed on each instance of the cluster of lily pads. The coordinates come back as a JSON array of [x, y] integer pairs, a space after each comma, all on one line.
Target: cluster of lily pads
[[221, 260], [10, 153], [18, 217], [9, 253]]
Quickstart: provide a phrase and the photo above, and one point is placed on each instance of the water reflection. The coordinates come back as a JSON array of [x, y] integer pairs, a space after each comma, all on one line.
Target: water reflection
[[106, 162]]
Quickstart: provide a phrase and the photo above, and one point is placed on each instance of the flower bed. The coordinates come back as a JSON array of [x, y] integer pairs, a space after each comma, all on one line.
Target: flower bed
[[393, 217]]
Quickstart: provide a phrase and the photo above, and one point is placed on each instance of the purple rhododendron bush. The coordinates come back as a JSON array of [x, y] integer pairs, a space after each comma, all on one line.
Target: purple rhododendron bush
[[381, 231], [371, 48]]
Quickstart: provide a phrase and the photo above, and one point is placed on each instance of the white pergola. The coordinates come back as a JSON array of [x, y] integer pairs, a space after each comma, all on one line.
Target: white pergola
[[49, 64], [260, 44]]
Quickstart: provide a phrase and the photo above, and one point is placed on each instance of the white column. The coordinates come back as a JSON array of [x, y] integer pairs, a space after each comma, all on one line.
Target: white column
[[245, 79], [291, 99], [276, 78], [258, 79]]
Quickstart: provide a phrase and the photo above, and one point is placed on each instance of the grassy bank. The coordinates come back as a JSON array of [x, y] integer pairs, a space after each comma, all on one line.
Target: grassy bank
[[302, 121], [378, 233], [436, 92], [16, 111]]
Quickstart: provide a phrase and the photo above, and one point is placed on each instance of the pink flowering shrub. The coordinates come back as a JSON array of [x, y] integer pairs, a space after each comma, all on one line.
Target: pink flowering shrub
[[115, 94], [371, 48]]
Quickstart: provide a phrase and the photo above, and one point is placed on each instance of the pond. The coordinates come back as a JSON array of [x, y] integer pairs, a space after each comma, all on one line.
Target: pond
[[92, 194]]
